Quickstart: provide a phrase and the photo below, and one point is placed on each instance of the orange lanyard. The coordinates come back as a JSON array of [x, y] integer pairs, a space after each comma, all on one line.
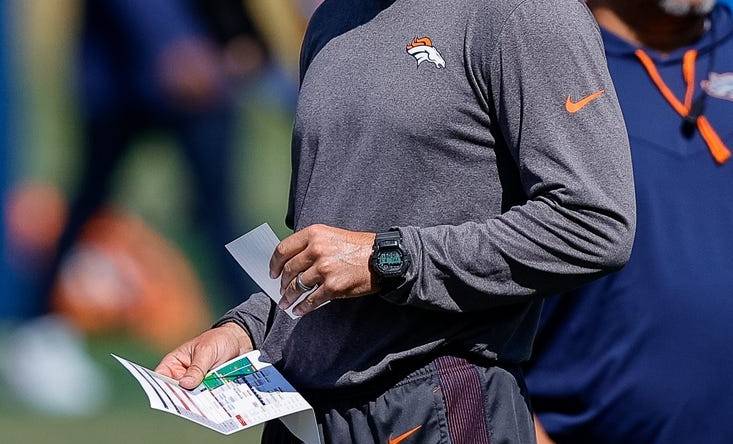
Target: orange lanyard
[[715, 144]]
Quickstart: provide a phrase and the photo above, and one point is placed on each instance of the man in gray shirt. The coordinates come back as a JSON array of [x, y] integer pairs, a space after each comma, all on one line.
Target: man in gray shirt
[[487, 135]]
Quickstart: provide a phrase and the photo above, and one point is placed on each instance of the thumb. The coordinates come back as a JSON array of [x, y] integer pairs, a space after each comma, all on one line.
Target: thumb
[[202, 360]]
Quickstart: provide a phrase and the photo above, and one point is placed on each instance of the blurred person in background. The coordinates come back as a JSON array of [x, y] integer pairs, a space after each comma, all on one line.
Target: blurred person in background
[[85, 386], [164, 65], [4, 156], [8, 304], [643, 355]]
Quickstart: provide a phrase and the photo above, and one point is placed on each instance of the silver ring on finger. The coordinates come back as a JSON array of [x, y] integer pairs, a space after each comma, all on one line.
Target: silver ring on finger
[[301, 286]]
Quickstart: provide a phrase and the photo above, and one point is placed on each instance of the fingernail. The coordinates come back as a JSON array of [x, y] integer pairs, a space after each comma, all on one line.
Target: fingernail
[[298, 312], [186, 381]]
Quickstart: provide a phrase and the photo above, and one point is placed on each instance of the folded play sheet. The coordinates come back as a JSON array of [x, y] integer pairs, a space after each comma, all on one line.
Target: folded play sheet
[[237, 395]]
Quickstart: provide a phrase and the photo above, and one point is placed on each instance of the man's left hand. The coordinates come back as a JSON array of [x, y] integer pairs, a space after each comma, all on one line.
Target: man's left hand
[[335, 260]]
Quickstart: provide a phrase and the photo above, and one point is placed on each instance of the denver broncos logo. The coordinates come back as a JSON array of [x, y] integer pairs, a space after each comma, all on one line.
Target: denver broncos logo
[[422, 49]]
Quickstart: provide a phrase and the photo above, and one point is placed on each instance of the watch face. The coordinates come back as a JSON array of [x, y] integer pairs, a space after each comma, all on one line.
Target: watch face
[[390, 261]]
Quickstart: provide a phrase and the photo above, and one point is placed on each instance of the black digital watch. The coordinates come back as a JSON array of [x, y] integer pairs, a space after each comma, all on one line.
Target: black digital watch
[[389, 260]]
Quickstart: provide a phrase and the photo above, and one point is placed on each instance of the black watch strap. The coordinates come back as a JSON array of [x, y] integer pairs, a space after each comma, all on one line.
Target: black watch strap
[[392, 235]]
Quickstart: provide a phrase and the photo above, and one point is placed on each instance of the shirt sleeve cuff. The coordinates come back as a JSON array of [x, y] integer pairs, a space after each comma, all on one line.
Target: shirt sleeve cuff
[[255, 327]]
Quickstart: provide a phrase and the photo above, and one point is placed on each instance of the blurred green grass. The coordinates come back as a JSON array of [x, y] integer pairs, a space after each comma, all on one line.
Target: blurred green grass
[[124, 427], [126, 418]]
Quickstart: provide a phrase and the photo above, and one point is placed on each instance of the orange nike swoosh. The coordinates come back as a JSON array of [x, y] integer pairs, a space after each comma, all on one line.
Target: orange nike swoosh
[[404, 436], [574, 107]]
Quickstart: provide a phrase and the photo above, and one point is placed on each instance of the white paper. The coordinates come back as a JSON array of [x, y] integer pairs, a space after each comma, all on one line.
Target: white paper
[[301, 425], [253, 252], [237, 395]]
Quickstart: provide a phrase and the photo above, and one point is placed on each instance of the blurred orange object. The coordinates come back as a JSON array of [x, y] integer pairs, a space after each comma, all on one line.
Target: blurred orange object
[[123, 275], [35, 215]]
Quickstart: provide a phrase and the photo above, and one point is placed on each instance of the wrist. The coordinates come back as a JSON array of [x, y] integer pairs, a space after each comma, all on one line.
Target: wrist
[[239, 336]]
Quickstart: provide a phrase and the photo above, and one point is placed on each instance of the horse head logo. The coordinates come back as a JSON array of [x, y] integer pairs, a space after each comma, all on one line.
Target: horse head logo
[[422, 49]]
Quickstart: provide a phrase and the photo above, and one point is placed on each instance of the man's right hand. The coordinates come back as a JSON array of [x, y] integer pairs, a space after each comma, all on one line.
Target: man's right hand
[[189, 363]]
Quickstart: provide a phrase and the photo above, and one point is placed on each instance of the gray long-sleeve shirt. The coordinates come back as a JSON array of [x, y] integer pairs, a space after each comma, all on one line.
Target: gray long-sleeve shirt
[[502, 157]]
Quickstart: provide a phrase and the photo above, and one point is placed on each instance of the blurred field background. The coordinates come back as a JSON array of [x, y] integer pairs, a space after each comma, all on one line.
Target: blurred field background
[[154, 185]]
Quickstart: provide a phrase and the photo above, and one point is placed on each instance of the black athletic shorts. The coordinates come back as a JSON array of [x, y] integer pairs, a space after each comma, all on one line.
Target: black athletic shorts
[[448, 400]]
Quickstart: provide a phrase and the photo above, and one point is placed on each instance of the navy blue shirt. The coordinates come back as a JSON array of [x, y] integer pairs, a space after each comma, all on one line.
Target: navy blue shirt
[[646, 355]]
